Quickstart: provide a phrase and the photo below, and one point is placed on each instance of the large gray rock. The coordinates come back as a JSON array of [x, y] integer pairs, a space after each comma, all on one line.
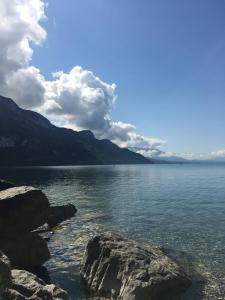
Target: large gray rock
[[58, 214], [28, 286], [118, 268], [5, 185], [22, 209], [25, 251], [5, 273]]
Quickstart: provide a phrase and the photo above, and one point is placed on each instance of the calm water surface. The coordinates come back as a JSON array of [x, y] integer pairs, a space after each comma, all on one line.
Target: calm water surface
[[181, 207]]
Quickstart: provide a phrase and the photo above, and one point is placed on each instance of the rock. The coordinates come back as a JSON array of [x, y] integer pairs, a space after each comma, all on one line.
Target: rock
[[5, 273], [43, 229], [22, 209], [22, 285], [25, 251], [28, 286], [118, 268], [5, 185], [58, 214]]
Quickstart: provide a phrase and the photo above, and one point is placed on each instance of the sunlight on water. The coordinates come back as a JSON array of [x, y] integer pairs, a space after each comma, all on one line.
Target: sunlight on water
[[180, 207]]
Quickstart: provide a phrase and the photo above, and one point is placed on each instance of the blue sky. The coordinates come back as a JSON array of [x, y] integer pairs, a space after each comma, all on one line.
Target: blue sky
[[167, 59]]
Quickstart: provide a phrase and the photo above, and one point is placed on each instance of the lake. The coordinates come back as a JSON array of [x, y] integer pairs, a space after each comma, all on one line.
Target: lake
[[178, 206]]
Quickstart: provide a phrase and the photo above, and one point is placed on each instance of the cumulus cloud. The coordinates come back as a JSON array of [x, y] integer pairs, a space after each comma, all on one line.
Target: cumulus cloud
[[77, 99], [86, 102], [19, 27], [27, 86], [125, 135], [84, 99]]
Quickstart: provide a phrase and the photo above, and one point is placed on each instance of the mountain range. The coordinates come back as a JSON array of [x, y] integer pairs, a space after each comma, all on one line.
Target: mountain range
[[28, 138]]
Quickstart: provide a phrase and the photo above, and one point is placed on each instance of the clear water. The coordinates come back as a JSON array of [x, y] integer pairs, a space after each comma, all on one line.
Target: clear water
[[181, 207]]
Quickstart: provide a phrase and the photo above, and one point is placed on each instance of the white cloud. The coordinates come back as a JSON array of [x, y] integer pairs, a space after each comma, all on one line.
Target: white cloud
[[83, 99], [77, 99], [125, 135], [219, 153], [27, 86], [150, 152], [157, 153], [19, 26]]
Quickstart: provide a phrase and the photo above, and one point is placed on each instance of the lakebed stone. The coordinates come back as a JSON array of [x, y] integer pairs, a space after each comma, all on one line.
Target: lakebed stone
[[22, 209], [118, 268]]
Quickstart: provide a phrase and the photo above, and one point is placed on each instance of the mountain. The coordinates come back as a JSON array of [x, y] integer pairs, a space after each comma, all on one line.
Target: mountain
[[172, 159], [218, 159], [28, 138]]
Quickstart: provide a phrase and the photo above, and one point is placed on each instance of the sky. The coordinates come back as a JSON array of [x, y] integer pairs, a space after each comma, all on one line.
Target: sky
[[146, 74]]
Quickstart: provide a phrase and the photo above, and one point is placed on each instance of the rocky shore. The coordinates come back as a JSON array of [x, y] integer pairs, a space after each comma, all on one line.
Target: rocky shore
[[113, 267], [23, 210]]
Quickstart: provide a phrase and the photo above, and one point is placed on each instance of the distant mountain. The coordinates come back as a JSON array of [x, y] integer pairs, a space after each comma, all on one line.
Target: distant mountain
[[27, 138], [173, 159], [218, 159], [176, 159]]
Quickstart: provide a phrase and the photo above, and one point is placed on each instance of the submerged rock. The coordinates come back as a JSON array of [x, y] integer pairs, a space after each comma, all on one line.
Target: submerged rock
[[25, 251], [22, 209], [5, 185], [58, 214], [118, 268]]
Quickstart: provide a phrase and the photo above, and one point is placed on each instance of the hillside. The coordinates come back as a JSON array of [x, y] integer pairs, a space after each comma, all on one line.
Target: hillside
[[28, 138]]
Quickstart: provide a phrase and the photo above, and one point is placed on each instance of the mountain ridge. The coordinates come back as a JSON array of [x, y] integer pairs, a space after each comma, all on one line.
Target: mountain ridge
[[28, 138]]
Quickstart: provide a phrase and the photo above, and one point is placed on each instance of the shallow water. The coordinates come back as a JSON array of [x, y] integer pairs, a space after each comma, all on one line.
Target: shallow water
[[181, 207]]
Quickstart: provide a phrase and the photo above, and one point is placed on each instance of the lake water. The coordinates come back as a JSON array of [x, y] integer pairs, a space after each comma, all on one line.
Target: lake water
[[180, 206]]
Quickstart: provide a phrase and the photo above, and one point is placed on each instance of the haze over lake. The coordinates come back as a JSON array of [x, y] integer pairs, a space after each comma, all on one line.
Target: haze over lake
[[179, 206]]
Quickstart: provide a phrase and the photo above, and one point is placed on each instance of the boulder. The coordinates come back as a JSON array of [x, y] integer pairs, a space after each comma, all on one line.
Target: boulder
[[58, 214], [22, 209], [26, 286], [5, 273], [118, 268], [5, 185], [25, 251]]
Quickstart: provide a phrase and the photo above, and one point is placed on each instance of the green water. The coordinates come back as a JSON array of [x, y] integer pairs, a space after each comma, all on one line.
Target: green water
[[181, 207]]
